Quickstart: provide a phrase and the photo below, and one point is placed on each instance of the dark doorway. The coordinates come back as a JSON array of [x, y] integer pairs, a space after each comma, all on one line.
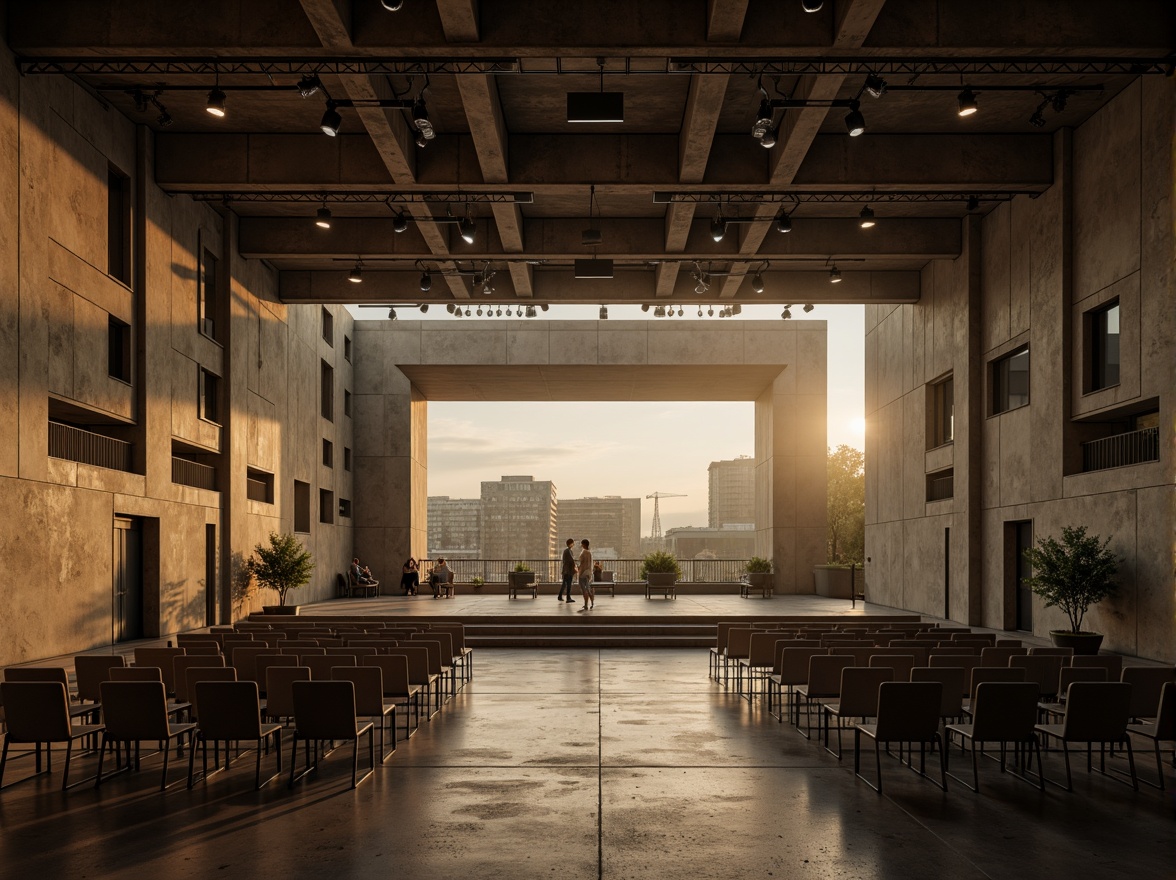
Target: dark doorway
[[1022, 541], [210, 574], [947, 574], [127, 580]]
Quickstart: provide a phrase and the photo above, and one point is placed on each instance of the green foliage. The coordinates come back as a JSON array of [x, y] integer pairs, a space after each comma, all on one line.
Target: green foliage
[[282, 566], [758, 564], [522, 566], [1072, 574], [476, 581], [660, 561], [847, 505]]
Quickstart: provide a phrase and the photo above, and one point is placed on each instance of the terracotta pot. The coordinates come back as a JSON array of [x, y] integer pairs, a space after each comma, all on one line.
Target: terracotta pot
[[1085, 643]]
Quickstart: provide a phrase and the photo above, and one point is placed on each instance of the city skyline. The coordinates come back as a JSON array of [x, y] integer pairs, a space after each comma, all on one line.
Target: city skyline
[[619, 448]]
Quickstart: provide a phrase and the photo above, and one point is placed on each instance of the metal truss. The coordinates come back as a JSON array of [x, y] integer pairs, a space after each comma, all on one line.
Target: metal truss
[[836, 197], [579, 65], [364, 197]]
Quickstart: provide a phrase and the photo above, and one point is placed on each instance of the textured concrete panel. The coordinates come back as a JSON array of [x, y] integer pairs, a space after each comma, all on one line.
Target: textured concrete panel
[[526, 346], [623, 346]]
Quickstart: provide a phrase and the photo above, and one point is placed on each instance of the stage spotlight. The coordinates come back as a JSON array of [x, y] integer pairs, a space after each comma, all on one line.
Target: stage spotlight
[[966, 103], [855, 123], [322, 217]]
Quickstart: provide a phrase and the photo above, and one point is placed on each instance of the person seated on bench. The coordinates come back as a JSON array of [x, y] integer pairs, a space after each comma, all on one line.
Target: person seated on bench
[[361, 575], [410, 578], [440, 579]]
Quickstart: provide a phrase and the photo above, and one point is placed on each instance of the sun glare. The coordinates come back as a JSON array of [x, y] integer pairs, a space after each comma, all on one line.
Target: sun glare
[[858, 426]]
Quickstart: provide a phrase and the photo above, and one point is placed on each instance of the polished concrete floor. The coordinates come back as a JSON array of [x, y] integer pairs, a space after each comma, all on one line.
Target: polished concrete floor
[[590, 764]]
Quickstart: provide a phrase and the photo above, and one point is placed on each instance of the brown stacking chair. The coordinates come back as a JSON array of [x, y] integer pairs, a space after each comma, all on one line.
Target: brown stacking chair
[[180, 667], [320, 667], [901, 664], [38, 712], [823, 682], [908, 712], [858, 699], [262, 662], [1066, 677], [792, 667], [398, 687], [1146, 684], [967, 664], [370, 702], [1096, 712], [1112, 663], [1002, 712], [1055, 652], [135, 711], [953, 679], [1163, 729], [196, 674], [279, 680], [324, 711], [232, 713], [51, 673], [738, 648], [1043, 669], [161, 657], [981, 674], [420, 674]]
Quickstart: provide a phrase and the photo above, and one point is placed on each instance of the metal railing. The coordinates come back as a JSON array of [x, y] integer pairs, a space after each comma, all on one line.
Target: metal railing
[[495, 571], [75, 444], [192, 473], [1134, 447], [941, 488]]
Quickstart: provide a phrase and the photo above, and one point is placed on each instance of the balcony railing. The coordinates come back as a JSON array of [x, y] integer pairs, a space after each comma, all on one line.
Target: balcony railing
[[548, 570], [192, 473], [75, 444], [941, 488], [1134, 447]]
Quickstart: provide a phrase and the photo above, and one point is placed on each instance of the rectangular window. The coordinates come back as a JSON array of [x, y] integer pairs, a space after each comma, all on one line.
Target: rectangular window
[[346, 459], [1010, 381], [345, 508], [210, 396], [259, 485], [118, 225], [328, 391], [326, 506], [942, 405], [301, 506], [328, 327], [328, 453], [940, 485], [209, 317], [119, 343], [347, 348], [346, 402], [1103, 338]]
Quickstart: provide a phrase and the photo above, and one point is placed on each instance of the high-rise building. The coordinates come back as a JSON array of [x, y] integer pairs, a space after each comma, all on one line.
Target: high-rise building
[[732, 491], [518, 518], [455, 527], [611, 523], [730, 542]]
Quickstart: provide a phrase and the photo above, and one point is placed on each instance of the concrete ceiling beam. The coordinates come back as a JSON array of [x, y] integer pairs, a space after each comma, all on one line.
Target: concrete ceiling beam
[[459, 20]]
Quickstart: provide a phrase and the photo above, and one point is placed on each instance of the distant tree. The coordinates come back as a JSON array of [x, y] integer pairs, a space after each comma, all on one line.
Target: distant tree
[[847, 505]]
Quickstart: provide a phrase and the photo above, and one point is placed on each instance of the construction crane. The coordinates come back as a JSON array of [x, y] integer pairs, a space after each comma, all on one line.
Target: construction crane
[[656, 530]]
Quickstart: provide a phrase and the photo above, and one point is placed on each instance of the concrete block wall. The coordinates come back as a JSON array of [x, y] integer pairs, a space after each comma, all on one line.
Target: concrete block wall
[[56, 145], [1031, 269]]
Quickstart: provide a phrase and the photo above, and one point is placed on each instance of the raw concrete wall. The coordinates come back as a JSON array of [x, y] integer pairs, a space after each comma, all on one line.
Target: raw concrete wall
[[1103, 231], [56, 145]]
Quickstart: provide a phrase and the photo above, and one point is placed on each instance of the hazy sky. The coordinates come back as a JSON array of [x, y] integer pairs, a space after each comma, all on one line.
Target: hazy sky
[[625, 452]]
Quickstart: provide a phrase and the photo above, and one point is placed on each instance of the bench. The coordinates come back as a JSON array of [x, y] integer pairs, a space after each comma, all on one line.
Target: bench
[[668, 591], [514, 585], [355, 588], [746, 588]]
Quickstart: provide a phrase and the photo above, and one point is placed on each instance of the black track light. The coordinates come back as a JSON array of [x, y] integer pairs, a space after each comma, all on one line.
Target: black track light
[[391, 314], [468, 228], [322, 217], [812, 5], [763, 119], [449, 307], [355, 276], [783, 221], [875, 86], [973, 204], [808, 308], [769, 139], [216, 103], [163, 120], [399, 222], [331, 121], [604, 313], [424, 308], [757, 282], [1037, 119], [855, 123], [426, 281], [392, 5], [834, 275], [420, 141], [420, 120], [787, 313], [309, 85], [866, 218], [966, 103], [718, 227]]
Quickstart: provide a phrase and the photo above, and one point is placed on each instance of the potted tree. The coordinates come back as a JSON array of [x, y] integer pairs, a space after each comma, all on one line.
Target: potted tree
[[282, 566], [660, 569], [521, 576], [477, 582], [1073, 574], [759, 573]]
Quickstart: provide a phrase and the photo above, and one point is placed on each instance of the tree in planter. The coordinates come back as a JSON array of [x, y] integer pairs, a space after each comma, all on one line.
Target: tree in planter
[[282, 566], [1072, 574], [758, 565], [660, 562]]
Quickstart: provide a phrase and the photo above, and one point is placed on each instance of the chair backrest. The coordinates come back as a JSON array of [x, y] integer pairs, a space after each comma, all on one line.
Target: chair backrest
[[161, 657], [38, 673], [794, 663], [187, 640], [1097, 711], [974, 638], [1166, 713], [1056, 652], [135, 673], [245, 659], [279, 699], [919, 653], [1146, 684], [1041, 669], [262, 662], [762, 651], [953, 649], [1004, 711], [36, 711], [354, 651], [369, 687], [739, 642], [908, 711], [324, 709], [824, 675], [393, 672], [321, 666], [1112, 663], [181, 665], [195, 674], [967, 664], [135, 710], [953, 679], [901, 664], [418, 661], [1070, 674], [859, 689], [1009, 643], [232, 709], [329, 641], [434, 650], [93, 669], [291, 645], [232, 640], [994, 673]]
